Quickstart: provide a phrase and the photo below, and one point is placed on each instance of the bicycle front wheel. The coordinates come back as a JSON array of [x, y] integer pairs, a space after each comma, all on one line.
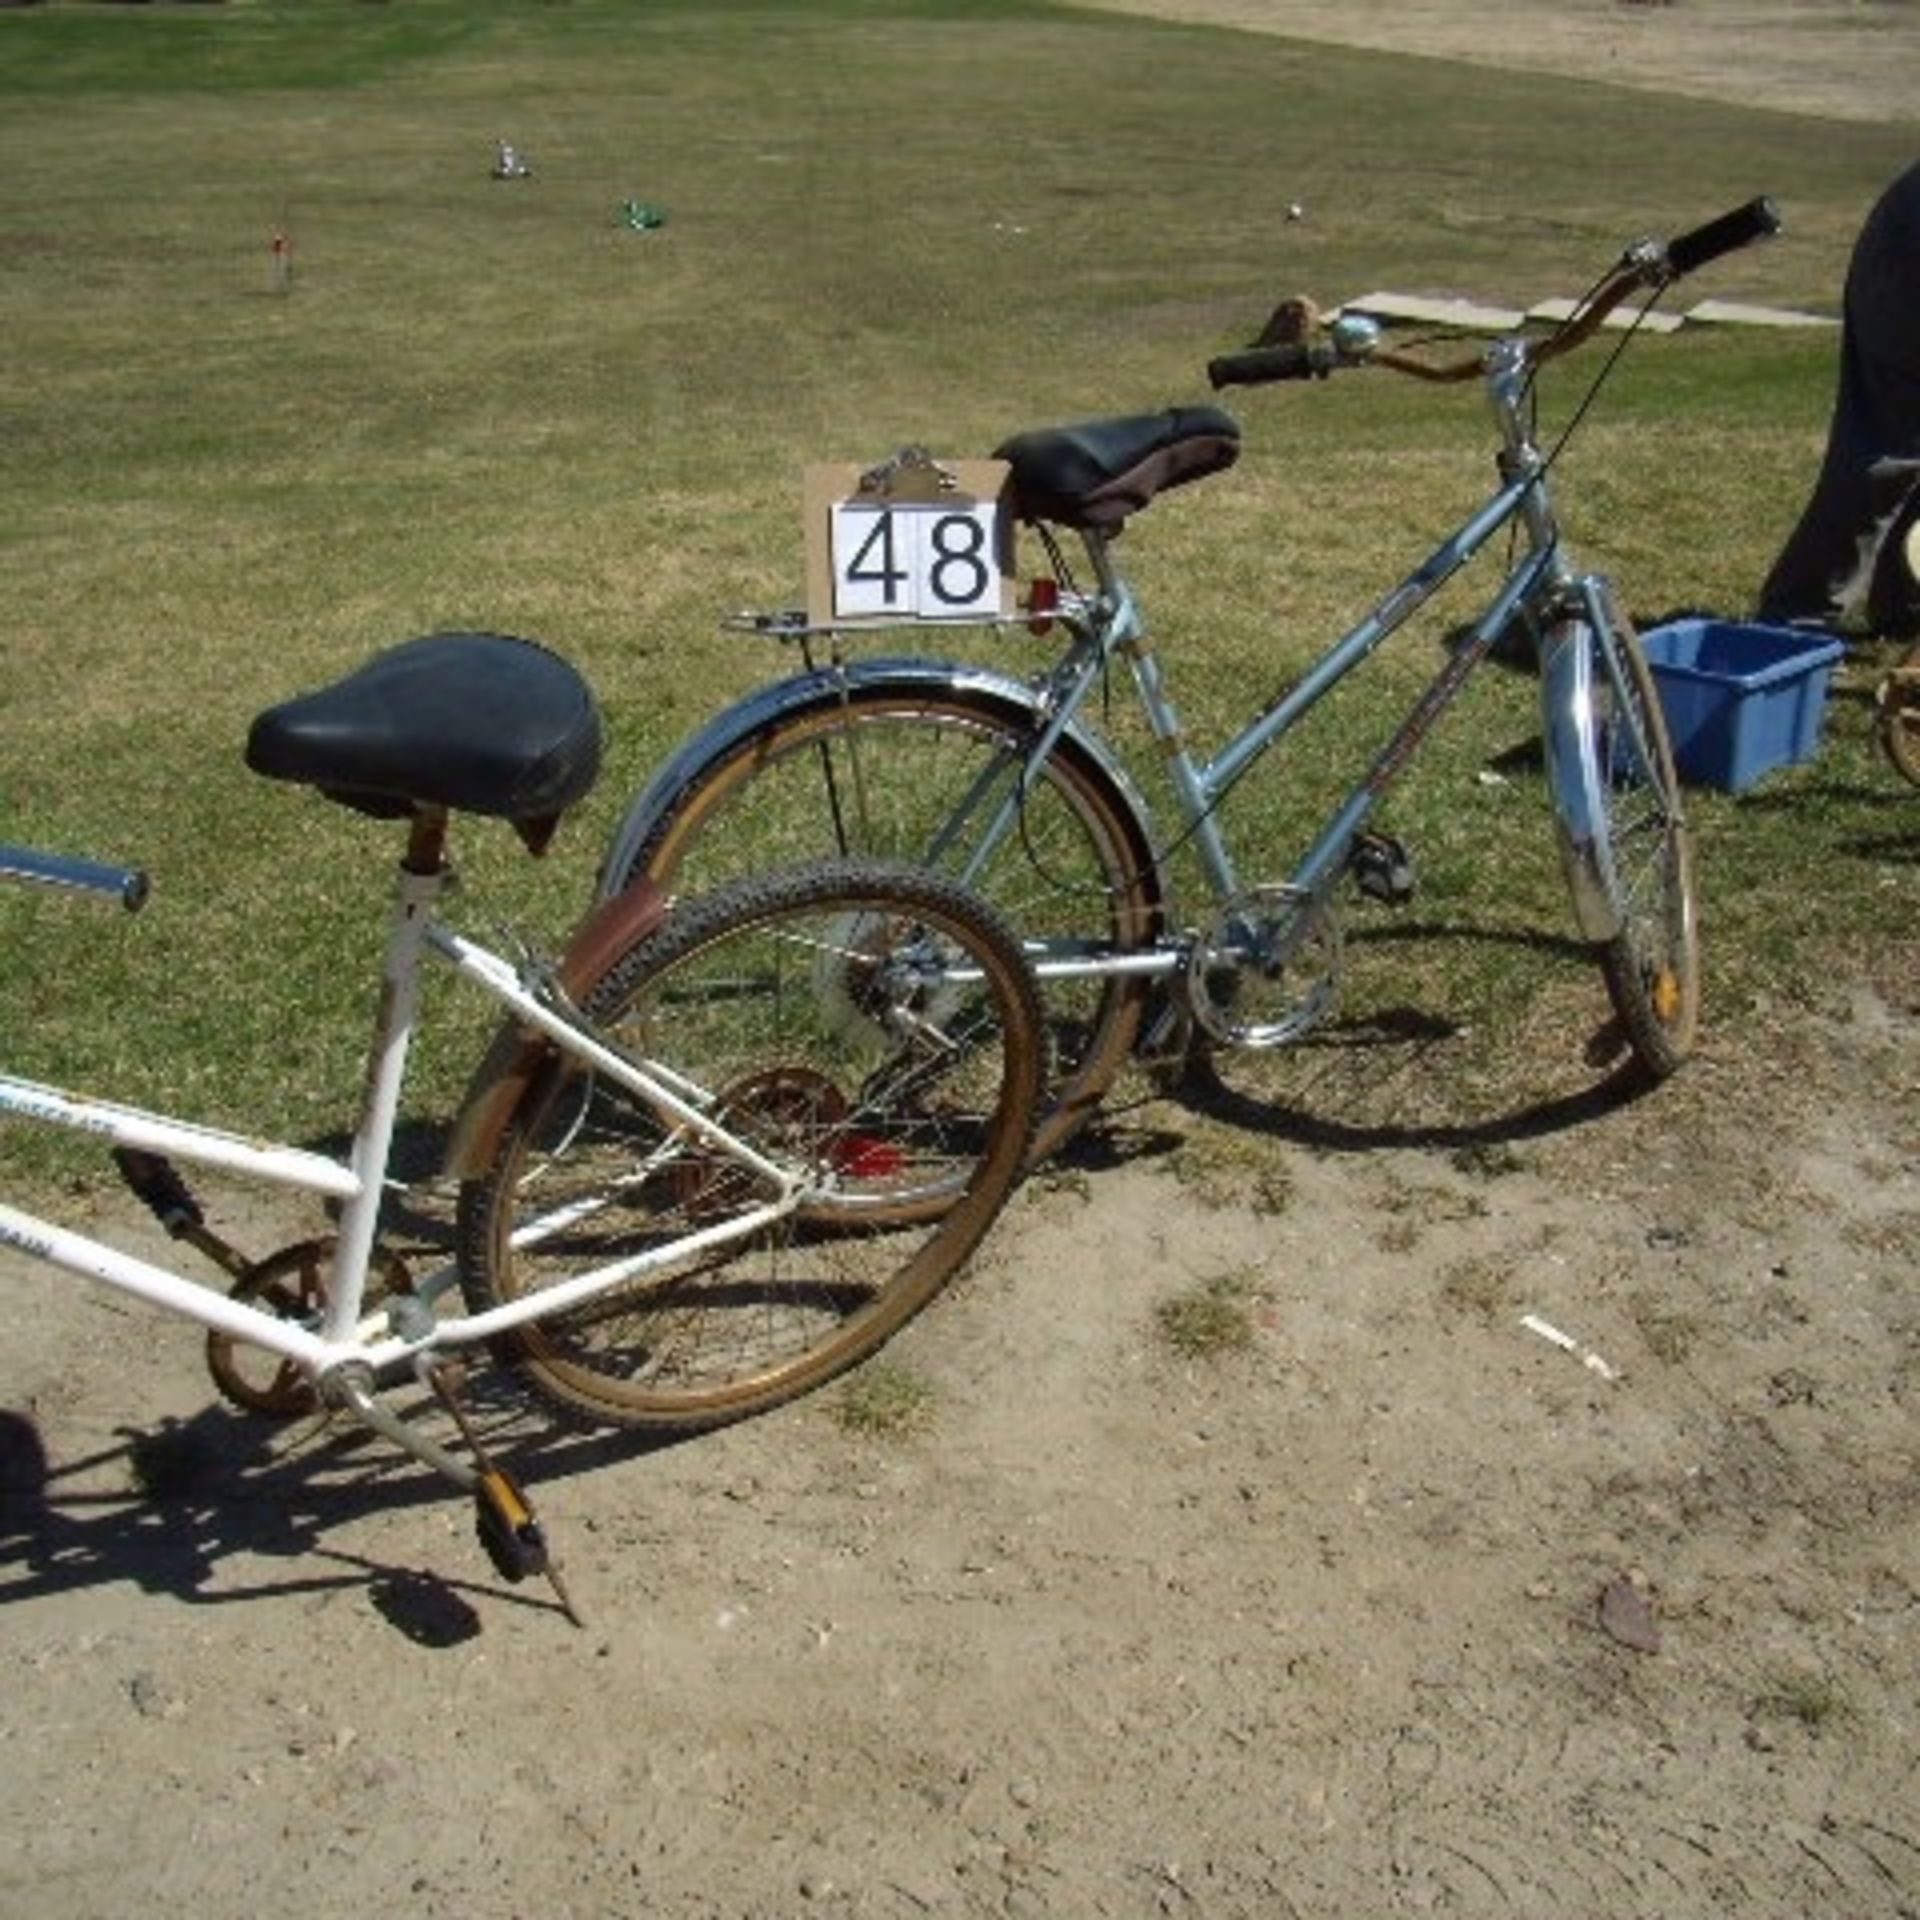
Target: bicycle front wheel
[[872, 1034], [1623, 828], [933, 777]]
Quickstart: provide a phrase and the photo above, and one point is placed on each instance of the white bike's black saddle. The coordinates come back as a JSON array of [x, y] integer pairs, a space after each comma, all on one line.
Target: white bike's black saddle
[[472, 722], [1096, 474]]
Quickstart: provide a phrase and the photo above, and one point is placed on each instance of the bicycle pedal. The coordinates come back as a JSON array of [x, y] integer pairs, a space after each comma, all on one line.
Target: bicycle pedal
[[515, 1541], [1166, 1035], [1382, 869]]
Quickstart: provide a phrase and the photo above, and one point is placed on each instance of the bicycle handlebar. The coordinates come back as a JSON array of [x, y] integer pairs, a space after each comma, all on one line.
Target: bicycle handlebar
[[128, 885], [1258, 365], [1649, 264], [1686, 252]]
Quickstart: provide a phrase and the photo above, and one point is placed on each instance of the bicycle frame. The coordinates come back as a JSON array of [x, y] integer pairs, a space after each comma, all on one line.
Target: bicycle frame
[[1108, 621], [351, 1348]]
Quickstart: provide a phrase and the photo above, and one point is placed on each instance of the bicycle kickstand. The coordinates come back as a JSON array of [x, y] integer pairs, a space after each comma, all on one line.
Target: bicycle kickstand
[[515, 1541]]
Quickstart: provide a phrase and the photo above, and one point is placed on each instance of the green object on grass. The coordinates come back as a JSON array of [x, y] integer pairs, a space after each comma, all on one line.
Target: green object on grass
[[641, 217]]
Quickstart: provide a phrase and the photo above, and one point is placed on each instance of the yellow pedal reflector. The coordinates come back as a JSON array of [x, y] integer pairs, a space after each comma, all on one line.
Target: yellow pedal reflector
[[1666, 996]]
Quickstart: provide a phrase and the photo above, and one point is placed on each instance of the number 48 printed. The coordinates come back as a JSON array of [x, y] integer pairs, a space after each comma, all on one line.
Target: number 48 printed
[[915, 563]]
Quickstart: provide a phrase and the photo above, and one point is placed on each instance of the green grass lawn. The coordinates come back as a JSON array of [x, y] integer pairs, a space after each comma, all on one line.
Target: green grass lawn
[[492, 404]]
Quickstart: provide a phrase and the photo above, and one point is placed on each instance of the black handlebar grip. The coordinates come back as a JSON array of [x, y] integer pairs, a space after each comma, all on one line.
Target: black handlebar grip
[[1260, 364], [1740, 228]]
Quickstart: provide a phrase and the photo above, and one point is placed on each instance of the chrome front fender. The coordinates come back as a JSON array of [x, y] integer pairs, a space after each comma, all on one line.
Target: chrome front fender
[[784, 699], [1575, 777]]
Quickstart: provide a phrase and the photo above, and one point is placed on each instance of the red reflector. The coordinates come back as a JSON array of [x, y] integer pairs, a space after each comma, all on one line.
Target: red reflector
[[1042, 597], [865, 1157]]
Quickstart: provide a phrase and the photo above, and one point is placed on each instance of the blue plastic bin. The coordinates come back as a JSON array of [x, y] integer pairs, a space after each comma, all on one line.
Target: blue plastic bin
[[1740, 700]]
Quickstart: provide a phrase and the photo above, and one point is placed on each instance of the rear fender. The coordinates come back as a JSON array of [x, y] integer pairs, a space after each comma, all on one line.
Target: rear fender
[[785, 699]]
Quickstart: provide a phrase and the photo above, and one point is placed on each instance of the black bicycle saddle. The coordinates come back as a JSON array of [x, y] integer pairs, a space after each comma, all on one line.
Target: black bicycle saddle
[[1096, 474], [472, 722]]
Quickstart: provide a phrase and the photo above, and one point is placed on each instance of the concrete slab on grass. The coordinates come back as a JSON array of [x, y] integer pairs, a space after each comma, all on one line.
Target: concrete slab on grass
[[1621, 318], [1477, 316], [1738, 313], [1470, 314]]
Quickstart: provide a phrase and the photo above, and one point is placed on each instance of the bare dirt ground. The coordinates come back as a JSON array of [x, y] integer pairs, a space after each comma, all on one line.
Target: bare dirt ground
[[1399, 1607], [1842, 59]]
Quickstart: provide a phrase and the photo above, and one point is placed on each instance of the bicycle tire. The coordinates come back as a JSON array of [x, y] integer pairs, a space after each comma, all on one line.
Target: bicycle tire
[[1897, 715], [882, 770], [1651, 958], [787, 998]]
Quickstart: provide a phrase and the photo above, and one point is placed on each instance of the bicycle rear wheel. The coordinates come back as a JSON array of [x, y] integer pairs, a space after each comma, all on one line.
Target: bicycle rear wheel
[[1626, 836], [920, 775], [873, 1031]]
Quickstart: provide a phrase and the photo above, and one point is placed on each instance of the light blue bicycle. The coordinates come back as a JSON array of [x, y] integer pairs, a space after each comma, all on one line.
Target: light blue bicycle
[[1005, 783]]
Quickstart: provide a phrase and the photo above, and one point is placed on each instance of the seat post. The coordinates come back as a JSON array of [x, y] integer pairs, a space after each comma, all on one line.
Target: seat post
[[426, 841], [423, 877]]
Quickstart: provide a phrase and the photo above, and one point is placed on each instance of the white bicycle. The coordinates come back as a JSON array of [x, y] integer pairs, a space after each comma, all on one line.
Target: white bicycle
[[716, 1154]]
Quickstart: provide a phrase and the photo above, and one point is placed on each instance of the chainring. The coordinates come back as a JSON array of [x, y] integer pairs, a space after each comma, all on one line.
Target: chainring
[[1268, 969], [292, 1284]]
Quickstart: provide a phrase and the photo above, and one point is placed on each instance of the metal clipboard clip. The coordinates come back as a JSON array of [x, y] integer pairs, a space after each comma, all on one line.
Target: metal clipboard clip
[[911, 478]]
